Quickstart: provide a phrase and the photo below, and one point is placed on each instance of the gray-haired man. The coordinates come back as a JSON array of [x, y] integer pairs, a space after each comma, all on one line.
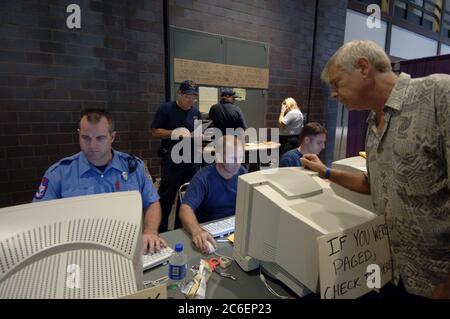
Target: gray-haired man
[[408, 146]]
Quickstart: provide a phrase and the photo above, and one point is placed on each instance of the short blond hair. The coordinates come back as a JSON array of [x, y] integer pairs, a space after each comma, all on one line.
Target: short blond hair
[[290, 104], [346, 58]]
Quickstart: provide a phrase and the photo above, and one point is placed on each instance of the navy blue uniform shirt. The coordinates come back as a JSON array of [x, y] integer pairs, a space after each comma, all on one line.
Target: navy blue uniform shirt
[[227, 115], [170, 116], [291, 158], [210, 195]]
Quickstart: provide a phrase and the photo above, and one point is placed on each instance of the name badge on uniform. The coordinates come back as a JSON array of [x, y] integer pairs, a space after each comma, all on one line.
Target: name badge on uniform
[[125, 176]]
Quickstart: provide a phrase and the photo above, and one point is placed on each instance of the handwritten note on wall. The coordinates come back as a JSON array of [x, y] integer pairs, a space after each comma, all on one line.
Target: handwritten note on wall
[[345, 258], [216, 74]]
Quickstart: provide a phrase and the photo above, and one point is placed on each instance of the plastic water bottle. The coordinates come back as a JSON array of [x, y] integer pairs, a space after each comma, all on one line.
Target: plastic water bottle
[[177, 267]]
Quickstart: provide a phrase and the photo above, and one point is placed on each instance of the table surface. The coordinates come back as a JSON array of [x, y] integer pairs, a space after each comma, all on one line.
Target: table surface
[[251, 146], [246, 286]]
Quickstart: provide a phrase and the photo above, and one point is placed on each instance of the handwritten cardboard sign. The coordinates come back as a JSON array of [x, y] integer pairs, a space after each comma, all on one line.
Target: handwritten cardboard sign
[[355, 261], [217, 74]]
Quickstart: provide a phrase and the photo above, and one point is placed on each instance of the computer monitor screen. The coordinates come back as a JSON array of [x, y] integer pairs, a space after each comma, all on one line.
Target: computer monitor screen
[[279, 215], [80, 247]]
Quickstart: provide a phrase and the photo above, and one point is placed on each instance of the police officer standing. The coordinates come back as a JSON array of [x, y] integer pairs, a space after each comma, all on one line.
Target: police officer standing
[[100, 169], [177, 118], [226, 114]]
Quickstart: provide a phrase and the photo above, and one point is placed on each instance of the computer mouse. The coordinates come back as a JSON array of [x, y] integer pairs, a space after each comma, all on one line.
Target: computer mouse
[[211, 248]]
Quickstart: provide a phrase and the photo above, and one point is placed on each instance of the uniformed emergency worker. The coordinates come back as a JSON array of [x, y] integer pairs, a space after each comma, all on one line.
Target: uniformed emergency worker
[[177, 118], [100, 169]]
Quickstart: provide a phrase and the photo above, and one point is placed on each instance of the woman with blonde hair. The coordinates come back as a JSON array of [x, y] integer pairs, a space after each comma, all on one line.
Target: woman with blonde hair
[[291, 124]]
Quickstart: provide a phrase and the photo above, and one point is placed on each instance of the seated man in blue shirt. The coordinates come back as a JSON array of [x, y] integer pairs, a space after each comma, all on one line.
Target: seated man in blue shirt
[[100, 169], [212, 191], [312, 141]]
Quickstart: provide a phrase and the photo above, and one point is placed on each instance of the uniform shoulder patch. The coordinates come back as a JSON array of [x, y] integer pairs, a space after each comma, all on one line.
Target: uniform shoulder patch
[[40, 193], [147, 173]]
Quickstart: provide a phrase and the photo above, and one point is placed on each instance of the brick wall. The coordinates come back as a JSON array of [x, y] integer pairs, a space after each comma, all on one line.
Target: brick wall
[[288, 27], [49, 73], [329, 37]]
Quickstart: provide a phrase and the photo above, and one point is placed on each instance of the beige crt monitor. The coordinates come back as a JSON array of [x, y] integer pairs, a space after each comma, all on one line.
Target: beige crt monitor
[[353, 165], [80, 247], [279, 215]]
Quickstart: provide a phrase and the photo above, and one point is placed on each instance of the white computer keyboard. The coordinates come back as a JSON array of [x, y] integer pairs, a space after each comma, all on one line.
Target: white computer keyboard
[[155, 259], [221, 227]]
